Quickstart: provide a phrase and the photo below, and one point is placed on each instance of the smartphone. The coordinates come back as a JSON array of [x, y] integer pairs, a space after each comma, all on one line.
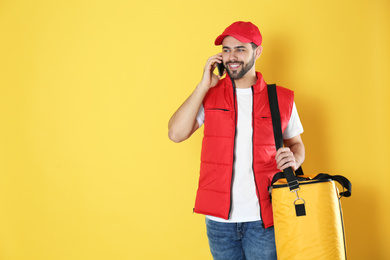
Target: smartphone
[[221, 68]]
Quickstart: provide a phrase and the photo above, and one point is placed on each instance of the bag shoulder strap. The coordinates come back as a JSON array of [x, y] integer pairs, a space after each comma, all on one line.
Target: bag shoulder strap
[[292, 181]]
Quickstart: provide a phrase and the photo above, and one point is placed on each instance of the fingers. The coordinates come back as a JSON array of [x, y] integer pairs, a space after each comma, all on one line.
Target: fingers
[[285, 158], [209, 79], [211, 63]]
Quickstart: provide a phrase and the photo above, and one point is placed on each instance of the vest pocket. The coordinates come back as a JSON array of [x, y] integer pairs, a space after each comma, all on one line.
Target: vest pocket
[[218, 109], [219, 122], [263, 126]]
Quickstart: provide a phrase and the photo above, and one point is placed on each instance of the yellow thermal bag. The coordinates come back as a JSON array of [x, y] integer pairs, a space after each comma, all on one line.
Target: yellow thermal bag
[[306, 209], [308, 220]]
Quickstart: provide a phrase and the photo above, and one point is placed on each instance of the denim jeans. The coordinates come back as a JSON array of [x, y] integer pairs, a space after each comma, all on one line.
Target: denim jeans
[[241, 241]]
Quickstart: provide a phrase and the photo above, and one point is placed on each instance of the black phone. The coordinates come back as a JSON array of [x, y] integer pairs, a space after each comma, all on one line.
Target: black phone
[[221, 68]]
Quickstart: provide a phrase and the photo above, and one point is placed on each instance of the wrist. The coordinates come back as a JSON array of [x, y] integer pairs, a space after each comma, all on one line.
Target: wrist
[[202, 87]]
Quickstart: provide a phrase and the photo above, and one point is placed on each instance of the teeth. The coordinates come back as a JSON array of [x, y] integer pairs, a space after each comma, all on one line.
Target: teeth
[[234, 66]]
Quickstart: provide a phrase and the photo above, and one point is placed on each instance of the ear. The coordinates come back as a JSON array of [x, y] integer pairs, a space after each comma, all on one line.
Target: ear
[[258, 51]]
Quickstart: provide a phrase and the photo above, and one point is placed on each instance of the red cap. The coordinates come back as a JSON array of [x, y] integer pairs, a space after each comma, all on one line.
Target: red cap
[[242, 31]]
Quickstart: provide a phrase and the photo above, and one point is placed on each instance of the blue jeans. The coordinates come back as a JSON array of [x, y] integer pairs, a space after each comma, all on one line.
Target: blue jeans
[[241, 241]]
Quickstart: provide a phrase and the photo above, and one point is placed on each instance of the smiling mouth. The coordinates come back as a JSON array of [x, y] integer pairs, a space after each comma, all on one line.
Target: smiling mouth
[[234, 66]]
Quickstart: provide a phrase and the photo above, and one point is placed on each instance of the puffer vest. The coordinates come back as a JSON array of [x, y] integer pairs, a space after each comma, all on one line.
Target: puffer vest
[[217, 158]]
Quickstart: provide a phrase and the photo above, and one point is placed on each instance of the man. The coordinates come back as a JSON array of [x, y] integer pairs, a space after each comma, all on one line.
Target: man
[[238, 151]]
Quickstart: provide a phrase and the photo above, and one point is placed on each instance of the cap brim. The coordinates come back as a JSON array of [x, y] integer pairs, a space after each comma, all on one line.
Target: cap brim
[[241, 38]]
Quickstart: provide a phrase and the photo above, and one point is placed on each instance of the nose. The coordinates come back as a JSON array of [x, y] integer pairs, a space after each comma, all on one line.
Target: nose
[[232, 56]]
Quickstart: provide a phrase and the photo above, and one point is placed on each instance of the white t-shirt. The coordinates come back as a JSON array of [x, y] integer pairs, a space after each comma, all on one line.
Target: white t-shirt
[[245, 204]]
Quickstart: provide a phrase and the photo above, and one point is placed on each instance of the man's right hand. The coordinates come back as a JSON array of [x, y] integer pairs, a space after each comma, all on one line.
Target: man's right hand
[[209, 79], [183, 122]]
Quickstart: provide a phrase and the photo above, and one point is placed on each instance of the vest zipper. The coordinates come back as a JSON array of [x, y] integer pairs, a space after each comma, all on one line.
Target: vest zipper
[[234, 144], [253, 152]]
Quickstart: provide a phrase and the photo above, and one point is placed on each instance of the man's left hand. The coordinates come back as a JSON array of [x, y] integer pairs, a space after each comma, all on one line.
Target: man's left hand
[[285, 158]]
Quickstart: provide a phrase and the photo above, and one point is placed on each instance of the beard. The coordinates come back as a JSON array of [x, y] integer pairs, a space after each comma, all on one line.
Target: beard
[[237, 74]]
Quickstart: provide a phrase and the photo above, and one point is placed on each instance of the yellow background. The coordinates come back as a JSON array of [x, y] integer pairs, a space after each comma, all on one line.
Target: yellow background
[[86, 91]]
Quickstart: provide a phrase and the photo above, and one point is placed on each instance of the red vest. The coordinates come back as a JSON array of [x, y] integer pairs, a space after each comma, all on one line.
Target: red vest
[[216, 170]]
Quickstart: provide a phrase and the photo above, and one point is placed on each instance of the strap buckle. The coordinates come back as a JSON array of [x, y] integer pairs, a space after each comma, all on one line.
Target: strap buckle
[[293, 185]]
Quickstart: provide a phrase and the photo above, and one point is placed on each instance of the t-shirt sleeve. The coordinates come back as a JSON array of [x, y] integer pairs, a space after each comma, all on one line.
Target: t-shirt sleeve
[[200, 116], [294, 126]]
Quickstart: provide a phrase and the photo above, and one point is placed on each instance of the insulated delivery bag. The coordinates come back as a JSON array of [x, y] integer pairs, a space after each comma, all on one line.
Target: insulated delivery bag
[[306, 209]]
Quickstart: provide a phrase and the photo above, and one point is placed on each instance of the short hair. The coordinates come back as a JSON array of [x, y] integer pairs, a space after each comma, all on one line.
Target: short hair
[[254, 46]]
